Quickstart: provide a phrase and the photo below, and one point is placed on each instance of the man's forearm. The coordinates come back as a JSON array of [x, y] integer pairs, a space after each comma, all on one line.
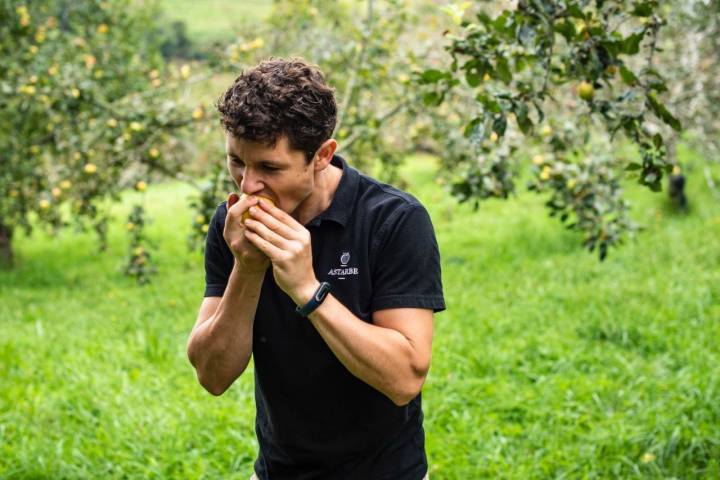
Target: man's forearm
[[381, 357], [220, 347]]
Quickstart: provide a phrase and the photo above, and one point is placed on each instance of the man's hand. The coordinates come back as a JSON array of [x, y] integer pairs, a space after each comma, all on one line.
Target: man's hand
[[287, 244], [248, 257]]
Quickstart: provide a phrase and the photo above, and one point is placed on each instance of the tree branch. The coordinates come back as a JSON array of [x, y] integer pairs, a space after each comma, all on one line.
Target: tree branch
[[350, 89], [347, 143]]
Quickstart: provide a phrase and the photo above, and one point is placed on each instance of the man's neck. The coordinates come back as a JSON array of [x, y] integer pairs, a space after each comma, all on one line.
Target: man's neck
[[325, 187]]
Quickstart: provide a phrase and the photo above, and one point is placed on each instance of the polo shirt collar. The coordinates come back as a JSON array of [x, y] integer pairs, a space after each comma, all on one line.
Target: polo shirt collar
[[343, 201]]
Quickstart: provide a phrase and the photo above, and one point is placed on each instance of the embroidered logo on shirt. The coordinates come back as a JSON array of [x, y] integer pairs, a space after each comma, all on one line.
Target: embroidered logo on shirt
[[344, 270], [344, 259]]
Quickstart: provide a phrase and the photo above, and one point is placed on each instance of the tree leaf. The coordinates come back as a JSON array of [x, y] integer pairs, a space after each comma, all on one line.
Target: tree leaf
[[658, 140], [474, 127], [432, 98], [499, 125], [575, 11], [502, 70], [523, 119], [473, 78], [644, 9], [566, 29], [433, 76], [662, 112], [489, 103], [504, 23], [628, 77], [631, 44], [655, 186], [484, 18]]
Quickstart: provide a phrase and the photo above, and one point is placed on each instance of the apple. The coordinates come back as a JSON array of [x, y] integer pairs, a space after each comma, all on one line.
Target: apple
[[586, 91], [246, 213]]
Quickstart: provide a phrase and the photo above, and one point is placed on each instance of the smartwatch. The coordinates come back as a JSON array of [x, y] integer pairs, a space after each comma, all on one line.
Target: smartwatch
[[315, 300]]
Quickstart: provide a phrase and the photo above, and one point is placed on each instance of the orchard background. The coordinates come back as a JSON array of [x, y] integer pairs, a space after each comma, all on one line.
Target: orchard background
[[548, 362]]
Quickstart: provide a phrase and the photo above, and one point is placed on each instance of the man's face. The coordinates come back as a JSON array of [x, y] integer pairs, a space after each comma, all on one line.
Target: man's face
[[278, 172]]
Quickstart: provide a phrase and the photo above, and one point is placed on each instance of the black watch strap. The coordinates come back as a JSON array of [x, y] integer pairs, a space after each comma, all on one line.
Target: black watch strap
[[315, 300]]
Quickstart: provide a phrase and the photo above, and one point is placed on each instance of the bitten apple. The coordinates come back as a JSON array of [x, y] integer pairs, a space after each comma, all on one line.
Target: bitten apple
[[246, 213]]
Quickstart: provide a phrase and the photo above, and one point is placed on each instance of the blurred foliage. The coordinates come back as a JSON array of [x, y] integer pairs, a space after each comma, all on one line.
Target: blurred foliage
[[137, 263], [175, 42], [587, 67], [366, 50], [690, 54], [85, 111], [205, 202], [546, 90]]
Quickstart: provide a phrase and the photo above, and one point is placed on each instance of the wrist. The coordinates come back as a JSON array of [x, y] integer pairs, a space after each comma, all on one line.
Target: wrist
[[305, 293], [317, 298], [250, 270]]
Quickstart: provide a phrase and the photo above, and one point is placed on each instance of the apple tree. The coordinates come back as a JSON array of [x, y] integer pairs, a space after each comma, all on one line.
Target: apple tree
[[86, 113], [579, 77]]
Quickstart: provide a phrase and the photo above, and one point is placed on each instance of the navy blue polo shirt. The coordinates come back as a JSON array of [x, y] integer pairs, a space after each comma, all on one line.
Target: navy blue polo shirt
[[315, 420]]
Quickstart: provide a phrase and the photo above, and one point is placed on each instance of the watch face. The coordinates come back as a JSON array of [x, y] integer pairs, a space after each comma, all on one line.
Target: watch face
[[322, 291], [315, 301]]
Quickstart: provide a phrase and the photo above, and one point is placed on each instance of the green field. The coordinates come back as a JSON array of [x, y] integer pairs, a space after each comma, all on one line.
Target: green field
[[214, 20], [547, 363]]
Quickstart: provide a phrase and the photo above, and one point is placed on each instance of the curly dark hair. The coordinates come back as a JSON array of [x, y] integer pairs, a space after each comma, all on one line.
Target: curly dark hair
[[280, 97]]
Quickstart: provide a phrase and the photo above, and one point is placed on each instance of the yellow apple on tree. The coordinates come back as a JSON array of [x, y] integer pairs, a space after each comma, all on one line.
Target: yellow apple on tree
[[586, 91]]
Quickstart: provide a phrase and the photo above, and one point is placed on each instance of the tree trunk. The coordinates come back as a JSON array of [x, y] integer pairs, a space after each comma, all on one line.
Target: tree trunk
[[6, 256]]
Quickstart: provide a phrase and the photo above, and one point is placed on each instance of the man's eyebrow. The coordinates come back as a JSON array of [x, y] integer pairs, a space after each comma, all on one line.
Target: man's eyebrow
[[264, 161]]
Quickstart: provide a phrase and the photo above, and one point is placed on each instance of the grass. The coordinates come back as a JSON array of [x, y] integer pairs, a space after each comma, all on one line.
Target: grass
[[547, 363], [210, 21]]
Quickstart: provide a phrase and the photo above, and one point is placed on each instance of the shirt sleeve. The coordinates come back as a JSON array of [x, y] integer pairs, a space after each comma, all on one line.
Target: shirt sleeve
[[406, 272], [218, 257]]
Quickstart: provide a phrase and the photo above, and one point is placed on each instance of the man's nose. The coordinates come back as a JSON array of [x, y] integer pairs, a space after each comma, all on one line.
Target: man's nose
[[251, 183]]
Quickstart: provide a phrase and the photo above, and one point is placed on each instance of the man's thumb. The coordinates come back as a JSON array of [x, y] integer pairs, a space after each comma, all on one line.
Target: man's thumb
[[233, 198]]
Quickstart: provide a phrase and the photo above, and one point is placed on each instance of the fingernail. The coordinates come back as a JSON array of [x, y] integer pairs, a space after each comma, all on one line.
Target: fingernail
[[252, 210]]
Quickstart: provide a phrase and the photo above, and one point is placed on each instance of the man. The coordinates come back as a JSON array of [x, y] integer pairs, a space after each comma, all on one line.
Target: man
[[328, 278]]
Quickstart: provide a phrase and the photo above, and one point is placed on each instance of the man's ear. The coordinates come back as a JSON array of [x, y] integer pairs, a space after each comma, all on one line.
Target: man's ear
[[324, 154]]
